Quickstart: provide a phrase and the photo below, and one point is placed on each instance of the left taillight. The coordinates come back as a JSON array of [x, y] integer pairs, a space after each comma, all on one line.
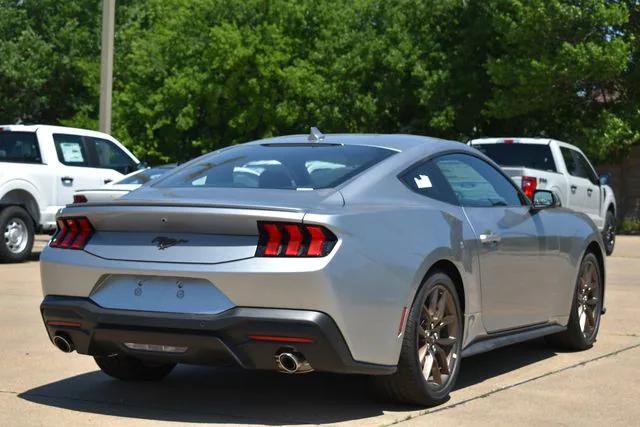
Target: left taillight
[[72, 233], [529, 186], [282, 239]]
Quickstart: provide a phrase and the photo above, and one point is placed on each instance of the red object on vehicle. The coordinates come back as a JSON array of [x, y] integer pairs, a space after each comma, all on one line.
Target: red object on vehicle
[[79, 198], [529, 185], [508, 141], [272, 338], [65, 324], [282, 239], [73, 233]]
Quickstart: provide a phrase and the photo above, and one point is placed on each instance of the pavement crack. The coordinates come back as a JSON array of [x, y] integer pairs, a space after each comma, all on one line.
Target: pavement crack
[[510, 386]]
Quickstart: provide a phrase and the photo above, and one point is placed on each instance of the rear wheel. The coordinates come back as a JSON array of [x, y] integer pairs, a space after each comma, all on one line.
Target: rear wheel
[[130, 369], [430, 356], [609, 233], [17, 234], [586, 309]]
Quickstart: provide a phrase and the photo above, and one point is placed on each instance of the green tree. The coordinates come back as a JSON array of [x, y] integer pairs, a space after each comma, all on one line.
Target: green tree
[[195, 75], [562, 71]]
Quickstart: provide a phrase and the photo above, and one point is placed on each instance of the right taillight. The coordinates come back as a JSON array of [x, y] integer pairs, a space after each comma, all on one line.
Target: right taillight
[[79, 198], [283, 239], [73, 233], [529, 185]]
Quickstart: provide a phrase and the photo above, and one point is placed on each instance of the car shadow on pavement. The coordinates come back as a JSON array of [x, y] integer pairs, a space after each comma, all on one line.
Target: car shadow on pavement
[[210, 395]]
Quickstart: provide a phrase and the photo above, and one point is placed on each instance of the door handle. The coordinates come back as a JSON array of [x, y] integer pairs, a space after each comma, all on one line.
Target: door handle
[[489, 237], [67, 180], [589, 191], [106, 181], [574, 188]]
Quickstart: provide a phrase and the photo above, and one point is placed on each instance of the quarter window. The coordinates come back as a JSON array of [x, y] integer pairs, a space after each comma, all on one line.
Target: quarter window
[[427, 179], [476, 183]]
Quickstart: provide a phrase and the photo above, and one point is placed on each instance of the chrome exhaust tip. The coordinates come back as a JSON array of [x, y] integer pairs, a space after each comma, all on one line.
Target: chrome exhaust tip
[[288, 362], [292, 363], [63, 342]]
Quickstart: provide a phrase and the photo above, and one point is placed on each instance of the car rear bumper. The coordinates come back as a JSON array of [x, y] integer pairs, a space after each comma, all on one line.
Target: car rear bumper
[[219, 340]]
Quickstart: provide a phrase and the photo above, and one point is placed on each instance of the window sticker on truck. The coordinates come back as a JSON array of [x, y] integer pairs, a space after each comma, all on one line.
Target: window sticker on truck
[[71, 152]]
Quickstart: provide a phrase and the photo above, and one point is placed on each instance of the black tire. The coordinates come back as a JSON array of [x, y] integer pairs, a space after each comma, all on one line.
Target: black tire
[[609, 233], [9, 251], [127, 368], [408, 384], [575, 338]]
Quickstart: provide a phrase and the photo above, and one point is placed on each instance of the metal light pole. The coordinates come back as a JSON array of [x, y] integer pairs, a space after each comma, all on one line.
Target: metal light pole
[[106, 67]]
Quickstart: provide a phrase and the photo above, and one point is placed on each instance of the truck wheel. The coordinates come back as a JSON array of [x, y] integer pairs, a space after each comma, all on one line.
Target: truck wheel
[[609, 233], [18, 234]]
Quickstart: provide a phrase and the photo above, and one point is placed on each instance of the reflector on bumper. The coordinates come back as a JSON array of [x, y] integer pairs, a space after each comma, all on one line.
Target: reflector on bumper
[[154, 347]]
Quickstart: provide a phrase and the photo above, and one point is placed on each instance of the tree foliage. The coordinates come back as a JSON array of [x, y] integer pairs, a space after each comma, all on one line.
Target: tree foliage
[[195, 75]]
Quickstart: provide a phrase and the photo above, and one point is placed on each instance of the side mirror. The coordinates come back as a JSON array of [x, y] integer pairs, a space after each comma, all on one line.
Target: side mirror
[[605, 179], [142, 165], [544, 199]]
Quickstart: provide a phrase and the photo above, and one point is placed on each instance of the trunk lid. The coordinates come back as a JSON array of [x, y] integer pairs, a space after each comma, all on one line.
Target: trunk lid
[[197, 226]]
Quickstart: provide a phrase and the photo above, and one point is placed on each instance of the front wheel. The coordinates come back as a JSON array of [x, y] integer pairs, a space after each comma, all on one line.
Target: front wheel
[[130, 369], [586, 309], [430, 355], [18, 234], [609, 233]]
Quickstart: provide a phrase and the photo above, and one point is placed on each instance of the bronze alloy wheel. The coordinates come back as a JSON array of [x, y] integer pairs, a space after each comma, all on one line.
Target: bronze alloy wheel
[[588, 299], [438, 338]]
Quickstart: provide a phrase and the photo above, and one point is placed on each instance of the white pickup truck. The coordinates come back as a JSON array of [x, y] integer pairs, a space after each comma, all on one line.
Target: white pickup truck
[[41, 167], [541, 163]]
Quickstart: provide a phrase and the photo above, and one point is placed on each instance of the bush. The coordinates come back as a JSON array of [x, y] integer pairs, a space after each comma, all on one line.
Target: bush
[[630, 226]]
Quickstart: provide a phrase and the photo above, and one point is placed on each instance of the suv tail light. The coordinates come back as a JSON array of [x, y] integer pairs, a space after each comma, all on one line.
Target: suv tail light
[[281, 239], [529, 185], [79, 198], [73, 233]]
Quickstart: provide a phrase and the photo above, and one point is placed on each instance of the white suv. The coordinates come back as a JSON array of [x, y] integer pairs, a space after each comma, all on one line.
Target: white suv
[[542, 163], [41, 167]]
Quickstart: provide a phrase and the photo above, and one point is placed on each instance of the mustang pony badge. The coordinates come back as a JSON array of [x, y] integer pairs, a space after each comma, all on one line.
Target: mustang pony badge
[[166, 242]]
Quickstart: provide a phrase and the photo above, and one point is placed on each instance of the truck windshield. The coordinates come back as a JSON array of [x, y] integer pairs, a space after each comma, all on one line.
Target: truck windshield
[[277, 166], [532, 156]]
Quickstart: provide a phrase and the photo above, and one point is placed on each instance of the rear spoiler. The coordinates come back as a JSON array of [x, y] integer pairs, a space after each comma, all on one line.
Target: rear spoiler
[[174, 204]]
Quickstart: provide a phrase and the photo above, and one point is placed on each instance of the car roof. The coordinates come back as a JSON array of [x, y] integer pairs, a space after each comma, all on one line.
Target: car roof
[[397, 142], [52, 128]]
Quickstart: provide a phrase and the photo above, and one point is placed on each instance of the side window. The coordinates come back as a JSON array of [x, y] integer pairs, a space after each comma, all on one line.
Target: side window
[[19, 147], [584, 168], [569, 161], [427, 180], [577, 165], [110, 156], [476, 183], [71, 150]]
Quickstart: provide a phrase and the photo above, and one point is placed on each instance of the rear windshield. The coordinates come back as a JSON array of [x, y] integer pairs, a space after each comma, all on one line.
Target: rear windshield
[[19, 147], [278, 166], [146, 175], [533, 156]]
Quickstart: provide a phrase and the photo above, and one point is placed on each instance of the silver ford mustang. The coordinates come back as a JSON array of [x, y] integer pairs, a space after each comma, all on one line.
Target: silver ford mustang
[[393, 256]]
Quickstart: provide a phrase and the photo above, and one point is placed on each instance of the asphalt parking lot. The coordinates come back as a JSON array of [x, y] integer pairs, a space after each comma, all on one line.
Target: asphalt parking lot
[[527, 384]]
